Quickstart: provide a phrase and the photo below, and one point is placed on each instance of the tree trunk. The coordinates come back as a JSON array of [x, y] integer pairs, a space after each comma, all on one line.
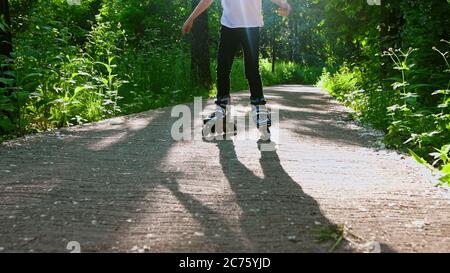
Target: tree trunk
[[293, 36], [200, 59], [294, 41], [5, 43], [5, 55], [390, 34], [5, 36], [274, 32]]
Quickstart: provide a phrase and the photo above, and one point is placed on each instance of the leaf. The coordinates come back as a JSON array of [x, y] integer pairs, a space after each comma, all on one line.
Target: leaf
[[416, 86], [420, 160], [3, 27], [7, 81], [7, 107], [446, 169], [435, 155], [107, 66], [82, 73], [21, 95], [446, 149], [397, 85], [445, 179], [79, 88], [11, 73], [395, 79], [6, 124], [442, 91]]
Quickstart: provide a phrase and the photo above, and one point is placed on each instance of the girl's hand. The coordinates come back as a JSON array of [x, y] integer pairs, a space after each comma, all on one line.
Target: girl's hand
[[285, 9], [187, 26]]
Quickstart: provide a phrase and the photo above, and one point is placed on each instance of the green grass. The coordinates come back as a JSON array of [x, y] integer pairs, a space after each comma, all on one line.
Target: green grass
[[285, 73]]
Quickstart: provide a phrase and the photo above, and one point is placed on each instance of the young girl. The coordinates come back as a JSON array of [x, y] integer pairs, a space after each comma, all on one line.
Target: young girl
[[241, 21]]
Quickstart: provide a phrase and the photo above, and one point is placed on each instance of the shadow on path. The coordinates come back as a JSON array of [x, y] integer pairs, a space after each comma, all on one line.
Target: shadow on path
[[276, 214]]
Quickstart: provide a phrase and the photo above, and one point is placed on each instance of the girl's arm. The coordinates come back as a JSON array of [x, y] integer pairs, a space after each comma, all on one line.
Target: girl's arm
[[201, 7], [285, 8]]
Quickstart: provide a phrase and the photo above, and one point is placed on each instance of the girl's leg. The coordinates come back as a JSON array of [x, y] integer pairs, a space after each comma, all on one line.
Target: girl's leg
[[229, 42], [250, 44]]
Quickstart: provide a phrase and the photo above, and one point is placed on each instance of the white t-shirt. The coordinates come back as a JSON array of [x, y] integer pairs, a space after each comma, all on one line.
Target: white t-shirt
[[242, 13]]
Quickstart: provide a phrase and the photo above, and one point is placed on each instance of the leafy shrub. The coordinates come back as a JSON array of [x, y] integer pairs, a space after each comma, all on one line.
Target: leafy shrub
[[71, 84], [346, 86], [411, 122]]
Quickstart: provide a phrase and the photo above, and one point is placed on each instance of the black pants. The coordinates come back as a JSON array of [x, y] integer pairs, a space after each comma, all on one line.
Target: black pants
[[231, 40]]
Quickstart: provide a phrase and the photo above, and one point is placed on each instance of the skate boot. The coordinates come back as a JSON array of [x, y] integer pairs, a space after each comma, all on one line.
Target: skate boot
[[261, 116], [218, 123]]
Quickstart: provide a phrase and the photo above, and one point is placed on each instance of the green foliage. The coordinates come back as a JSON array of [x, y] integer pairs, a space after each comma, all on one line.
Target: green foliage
[[347, 86], [403, 92], [286, 72], [333, 234], [156, 78], [342, 84], [412, 122], [7, 109], [72, 84], [442, 157]]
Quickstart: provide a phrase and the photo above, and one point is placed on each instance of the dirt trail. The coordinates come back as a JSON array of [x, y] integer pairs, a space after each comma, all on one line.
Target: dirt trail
[[124, 185]]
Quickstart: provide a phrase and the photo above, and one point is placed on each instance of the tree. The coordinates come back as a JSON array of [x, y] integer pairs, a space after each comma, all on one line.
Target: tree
[[6, 114], [200, 59], [5, 34], [271, 32]]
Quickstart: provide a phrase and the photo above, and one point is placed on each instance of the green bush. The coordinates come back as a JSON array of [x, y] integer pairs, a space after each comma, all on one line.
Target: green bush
[[285, 73], [409, 121], [71, 84], [346, 86], [157, 77]]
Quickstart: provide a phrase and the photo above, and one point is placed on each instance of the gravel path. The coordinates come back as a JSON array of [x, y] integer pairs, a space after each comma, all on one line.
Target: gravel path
[[125, 185]]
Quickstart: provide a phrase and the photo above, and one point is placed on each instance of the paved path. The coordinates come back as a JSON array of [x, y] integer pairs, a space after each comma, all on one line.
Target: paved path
[[124, 185]]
